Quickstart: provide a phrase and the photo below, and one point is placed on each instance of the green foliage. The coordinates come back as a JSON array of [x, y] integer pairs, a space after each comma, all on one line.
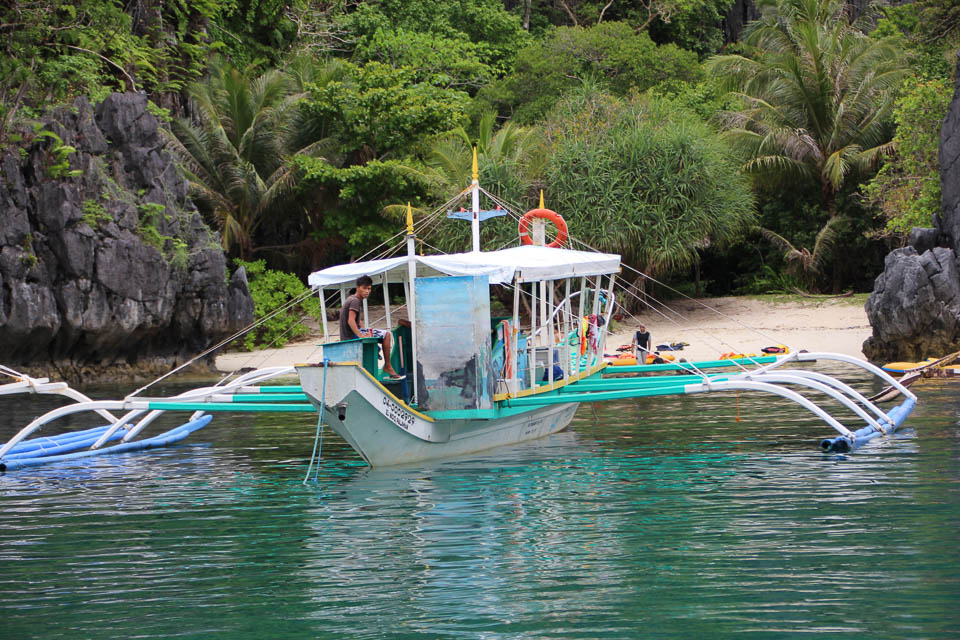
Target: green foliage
[[59, 157], [178, 254], [255, 32], [510, 161], [94, 215], [770, 280], [645, 179], [161, 114], [918, 28], [609, 53], [439, 61], [349, 200], [816, 95], [272, 290], [174, 250], [941, 21], [802, 263], [148, 216], [907, 188], [57, 50], [694, 25], [29, 260], [376, 109], [482, 28], [707, 98], [235, 156]]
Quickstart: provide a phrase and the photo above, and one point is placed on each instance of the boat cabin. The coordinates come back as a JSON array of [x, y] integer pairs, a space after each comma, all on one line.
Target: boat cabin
[[455, 355]]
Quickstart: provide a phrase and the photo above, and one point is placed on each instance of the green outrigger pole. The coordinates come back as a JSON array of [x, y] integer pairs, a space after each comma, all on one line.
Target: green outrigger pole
[[291, 398]]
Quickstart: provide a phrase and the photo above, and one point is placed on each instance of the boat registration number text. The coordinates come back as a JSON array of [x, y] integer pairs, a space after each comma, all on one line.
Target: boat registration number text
[[396, 415]]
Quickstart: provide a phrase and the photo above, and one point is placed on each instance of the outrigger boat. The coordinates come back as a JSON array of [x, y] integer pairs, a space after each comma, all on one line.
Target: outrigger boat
[[472, 380]]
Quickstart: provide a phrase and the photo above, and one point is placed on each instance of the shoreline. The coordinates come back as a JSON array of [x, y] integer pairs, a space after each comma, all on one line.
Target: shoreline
[[711, 326]]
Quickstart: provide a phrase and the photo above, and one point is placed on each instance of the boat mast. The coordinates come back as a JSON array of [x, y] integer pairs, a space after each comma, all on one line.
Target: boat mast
[[475, 187], [412, 298]]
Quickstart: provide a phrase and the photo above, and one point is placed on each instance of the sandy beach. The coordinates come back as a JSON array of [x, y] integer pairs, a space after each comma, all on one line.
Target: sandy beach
[[714, 326], [711, 326]]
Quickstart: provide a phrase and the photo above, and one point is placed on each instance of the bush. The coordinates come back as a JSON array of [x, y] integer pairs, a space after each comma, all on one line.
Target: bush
[[272, 290], [646, 179], [907, 188]]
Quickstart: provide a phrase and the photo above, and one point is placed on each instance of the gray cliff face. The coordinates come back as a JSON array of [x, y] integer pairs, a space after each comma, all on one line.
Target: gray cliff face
[[948, 223], [915, 305], [114, 265]]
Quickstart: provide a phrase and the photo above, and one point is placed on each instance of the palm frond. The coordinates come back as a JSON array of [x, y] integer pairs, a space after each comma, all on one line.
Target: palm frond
[[776, 239]]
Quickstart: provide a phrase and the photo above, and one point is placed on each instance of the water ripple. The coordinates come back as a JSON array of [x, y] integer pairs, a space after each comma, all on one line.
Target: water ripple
[[666, 518]]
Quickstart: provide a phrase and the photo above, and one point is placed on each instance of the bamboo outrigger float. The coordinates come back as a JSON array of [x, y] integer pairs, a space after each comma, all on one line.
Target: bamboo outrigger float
[[471, 381]]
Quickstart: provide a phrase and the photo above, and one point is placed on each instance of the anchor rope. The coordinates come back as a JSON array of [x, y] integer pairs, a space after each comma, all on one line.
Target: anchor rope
[[317, 440]]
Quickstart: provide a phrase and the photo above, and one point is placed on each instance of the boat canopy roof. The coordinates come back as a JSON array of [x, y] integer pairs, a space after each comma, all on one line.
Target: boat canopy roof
[[527, 262]]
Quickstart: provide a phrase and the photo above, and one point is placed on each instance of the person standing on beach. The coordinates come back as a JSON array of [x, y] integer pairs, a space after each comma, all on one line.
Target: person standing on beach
[[641, 344], [350, 328]]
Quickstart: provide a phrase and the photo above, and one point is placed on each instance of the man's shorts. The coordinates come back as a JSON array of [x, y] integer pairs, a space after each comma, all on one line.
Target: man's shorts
[[379, 334]]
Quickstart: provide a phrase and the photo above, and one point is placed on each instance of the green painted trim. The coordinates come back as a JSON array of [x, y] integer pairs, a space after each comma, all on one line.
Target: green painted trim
[[503, 411], [601, 395], [280, 388], [272, 397], [613, 384], [687, 366], [230, 406]]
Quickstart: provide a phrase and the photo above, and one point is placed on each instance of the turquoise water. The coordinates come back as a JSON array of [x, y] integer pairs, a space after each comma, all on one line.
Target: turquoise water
[[650, 518]]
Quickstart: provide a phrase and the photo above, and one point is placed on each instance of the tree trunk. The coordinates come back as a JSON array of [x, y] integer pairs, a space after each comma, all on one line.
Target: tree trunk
[[636, 302]]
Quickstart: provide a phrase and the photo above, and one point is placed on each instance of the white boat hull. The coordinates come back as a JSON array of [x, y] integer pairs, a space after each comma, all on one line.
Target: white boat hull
[[384, 432]]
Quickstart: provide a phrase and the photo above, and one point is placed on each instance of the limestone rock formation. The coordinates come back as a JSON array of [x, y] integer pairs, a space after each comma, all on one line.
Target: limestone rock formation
[[103, 258], [915, 305]]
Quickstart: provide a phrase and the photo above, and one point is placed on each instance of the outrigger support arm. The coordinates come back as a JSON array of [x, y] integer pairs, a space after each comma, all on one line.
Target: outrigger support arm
[[788, 378], [93, 405], [138, 406], [833, 382], [803, 356], [45, 387], [748, 385]]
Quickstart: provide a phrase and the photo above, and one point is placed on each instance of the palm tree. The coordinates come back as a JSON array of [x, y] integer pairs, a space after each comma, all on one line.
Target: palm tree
[[816, 94], [235, 153], [803, 263]]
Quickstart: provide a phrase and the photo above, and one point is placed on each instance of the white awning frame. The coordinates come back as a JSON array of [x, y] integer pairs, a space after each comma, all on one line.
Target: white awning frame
[[524, 263]]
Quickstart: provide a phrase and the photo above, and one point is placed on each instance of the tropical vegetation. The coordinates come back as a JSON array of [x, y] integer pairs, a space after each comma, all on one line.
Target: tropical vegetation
[[738, 159], [815, 97]]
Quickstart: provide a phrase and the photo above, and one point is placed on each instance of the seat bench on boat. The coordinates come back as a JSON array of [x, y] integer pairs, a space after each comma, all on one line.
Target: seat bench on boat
[[365, 352]]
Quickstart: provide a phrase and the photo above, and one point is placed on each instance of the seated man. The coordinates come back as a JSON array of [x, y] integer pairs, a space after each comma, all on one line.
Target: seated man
[[350, 328]]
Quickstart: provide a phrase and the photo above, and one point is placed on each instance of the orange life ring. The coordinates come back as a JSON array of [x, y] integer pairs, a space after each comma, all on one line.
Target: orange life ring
[[524, 227]]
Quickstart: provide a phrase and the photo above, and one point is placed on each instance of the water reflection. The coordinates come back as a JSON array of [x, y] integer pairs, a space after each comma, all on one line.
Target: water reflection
[[648, 519]]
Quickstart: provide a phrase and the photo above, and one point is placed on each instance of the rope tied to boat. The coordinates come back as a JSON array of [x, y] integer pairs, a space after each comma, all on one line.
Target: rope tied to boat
[[317, 440]]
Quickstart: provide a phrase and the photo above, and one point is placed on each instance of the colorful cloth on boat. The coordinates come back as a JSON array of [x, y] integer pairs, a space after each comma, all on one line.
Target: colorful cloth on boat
[[593, 333]]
